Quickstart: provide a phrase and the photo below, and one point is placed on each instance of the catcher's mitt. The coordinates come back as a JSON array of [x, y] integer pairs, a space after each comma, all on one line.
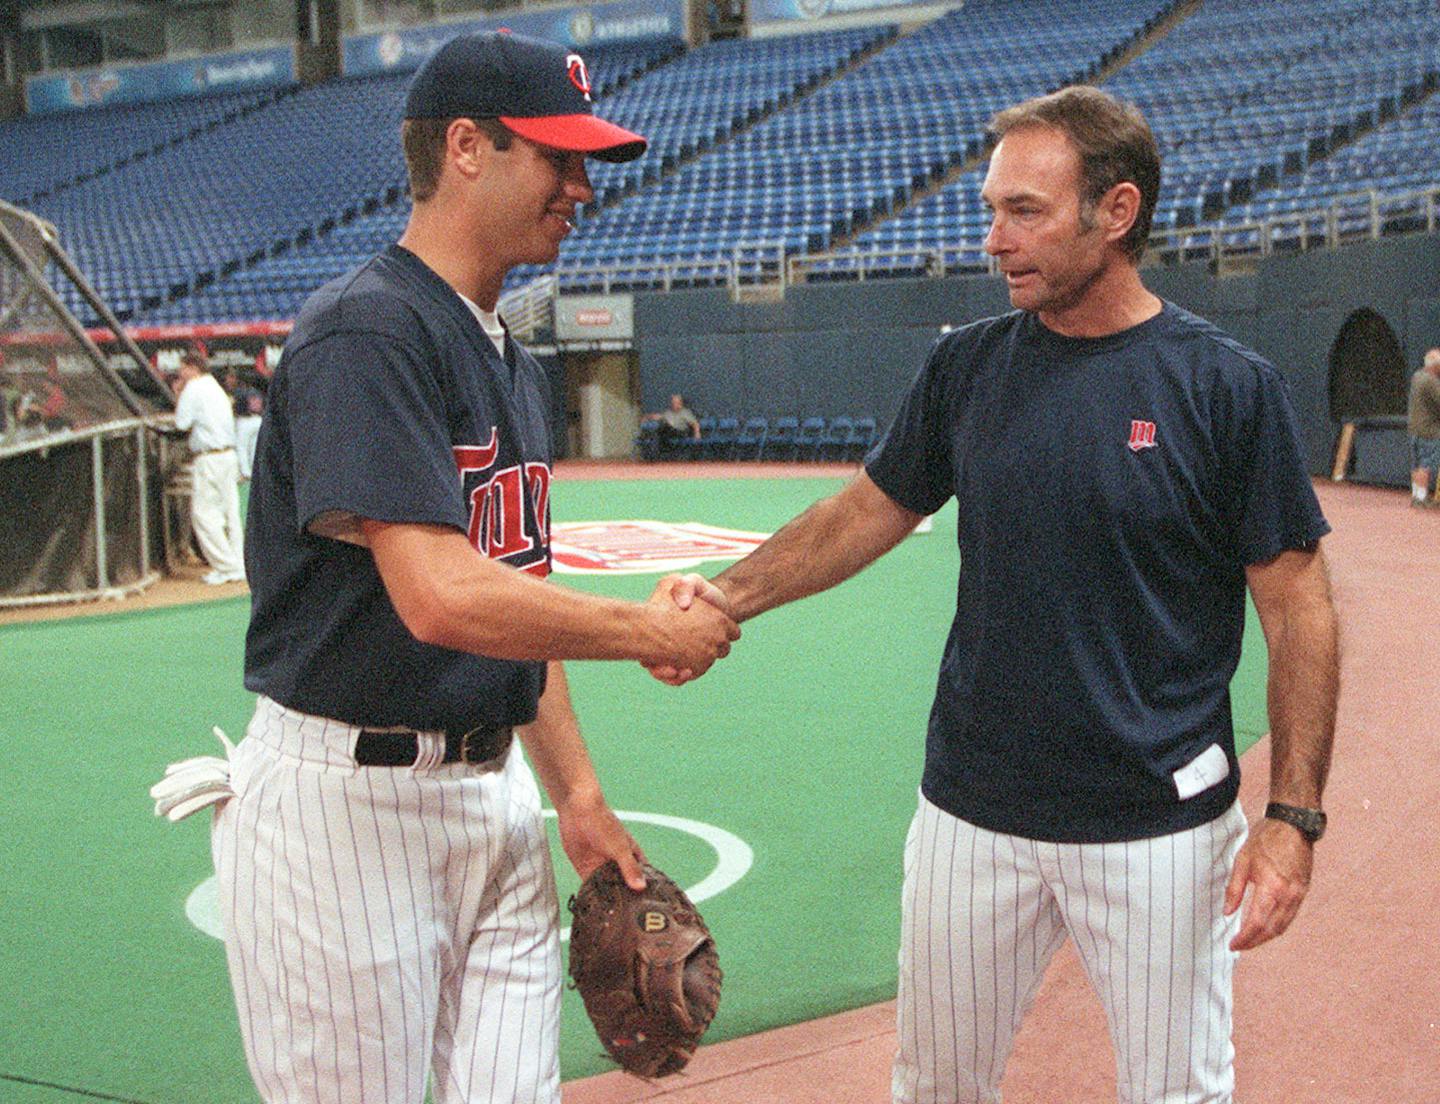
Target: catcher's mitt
[[646, 967]]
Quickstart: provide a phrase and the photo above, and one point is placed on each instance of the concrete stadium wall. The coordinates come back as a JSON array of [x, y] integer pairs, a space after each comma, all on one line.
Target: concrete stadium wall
[[852, 348]]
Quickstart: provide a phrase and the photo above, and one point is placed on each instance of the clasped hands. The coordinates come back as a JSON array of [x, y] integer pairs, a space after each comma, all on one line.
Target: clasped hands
[[692, 635]]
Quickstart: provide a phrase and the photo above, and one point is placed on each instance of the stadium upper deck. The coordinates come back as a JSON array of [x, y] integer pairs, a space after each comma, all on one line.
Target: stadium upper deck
[[235, 207]]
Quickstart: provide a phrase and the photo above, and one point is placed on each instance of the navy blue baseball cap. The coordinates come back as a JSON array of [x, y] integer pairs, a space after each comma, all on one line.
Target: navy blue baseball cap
[[539, 89]]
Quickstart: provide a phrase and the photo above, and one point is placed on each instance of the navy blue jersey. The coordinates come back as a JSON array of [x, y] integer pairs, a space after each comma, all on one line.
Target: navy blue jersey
[[1111, 492], [390, 403]]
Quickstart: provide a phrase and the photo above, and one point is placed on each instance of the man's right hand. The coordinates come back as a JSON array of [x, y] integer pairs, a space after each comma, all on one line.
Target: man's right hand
[[683, 592], [692, 635]]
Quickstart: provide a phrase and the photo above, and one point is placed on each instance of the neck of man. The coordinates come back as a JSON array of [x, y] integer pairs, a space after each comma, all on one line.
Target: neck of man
[[1113, 301], [452, 245]]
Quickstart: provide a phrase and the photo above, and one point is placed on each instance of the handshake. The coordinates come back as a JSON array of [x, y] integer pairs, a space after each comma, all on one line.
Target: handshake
[[691, 626]]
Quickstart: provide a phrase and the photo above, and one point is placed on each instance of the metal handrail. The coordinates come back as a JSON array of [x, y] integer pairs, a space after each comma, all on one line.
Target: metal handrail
[[530, 308], [1363, 213], [15, 441], [931, 260], [754, 263]]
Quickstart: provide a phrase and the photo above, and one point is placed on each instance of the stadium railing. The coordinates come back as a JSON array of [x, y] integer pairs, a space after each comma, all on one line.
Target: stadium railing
[[1350, 216]]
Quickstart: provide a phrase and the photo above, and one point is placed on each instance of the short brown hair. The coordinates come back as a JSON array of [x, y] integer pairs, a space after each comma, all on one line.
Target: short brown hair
[[423, 142], [1113, 139]]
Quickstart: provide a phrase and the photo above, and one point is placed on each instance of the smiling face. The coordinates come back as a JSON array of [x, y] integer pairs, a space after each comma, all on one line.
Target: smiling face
[[488, 200], [532, 199], [1046, 239]]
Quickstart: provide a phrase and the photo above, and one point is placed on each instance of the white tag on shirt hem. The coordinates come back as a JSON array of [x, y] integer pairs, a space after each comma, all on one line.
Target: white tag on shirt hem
[[1207, 769]]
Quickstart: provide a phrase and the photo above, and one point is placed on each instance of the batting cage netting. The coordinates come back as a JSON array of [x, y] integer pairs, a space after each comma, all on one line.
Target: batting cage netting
[[81, 468]]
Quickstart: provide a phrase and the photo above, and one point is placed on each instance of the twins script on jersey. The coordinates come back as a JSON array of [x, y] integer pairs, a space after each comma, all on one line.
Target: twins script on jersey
[[500, 526]]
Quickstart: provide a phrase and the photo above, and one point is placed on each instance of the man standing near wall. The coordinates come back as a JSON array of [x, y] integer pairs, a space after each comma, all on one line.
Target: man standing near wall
[[1424, 426], [203, 409]]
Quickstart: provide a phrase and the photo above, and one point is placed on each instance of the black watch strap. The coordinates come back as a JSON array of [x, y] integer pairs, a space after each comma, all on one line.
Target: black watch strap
[[1309, 822]]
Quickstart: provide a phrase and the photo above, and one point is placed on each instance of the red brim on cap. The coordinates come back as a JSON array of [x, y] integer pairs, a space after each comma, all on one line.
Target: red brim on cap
[[581, 133]]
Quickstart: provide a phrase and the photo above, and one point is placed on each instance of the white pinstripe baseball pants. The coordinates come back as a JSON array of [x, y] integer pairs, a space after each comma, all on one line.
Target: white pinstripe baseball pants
[[983, 913], [381, 922]]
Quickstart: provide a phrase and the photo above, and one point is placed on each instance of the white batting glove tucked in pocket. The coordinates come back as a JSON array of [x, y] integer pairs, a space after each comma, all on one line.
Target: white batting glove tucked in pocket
[[192, 784]]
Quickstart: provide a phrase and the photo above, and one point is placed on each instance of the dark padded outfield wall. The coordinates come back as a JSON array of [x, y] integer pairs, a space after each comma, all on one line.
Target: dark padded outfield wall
[[848, 349]]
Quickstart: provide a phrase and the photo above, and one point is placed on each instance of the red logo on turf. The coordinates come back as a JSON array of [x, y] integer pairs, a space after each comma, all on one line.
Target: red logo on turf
[[1142, 435], [579, 75], [642, 547]]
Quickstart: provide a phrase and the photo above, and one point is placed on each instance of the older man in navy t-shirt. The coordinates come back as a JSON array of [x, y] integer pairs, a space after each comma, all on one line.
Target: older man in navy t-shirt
[[1124, 472]]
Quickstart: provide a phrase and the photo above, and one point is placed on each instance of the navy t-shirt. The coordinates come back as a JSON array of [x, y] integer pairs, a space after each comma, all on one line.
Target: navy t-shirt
[[390, 403], [1111, 492]]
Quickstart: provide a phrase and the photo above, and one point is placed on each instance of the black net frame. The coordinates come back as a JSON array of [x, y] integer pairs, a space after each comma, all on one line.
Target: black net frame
[[81, 461]]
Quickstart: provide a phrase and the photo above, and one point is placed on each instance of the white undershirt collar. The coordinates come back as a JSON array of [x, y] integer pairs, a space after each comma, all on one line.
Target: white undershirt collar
[[489, 322]]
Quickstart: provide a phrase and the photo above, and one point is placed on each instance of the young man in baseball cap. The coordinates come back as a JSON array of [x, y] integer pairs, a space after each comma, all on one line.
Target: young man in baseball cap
[[388, 899]]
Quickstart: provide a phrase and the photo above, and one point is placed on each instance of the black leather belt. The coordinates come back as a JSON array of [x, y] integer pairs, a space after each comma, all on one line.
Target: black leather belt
[[402, 749]]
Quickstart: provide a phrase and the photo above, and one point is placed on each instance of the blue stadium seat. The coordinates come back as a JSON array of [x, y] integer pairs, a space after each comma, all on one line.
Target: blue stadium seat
[[693, 448], [647, 441], [750, 443], [780, 444], [837, 433], [807, 441], [862, 436], [721, 439]]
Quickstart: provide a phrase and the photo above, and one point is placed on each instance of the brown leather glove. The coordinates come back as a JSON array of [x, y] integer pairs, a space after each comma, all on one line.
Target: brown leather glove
[[646, 967]]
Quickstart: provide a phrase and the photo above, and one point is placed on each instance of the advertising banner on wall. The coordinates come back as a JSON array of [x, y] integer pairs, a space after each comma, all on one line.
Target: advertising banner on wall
[[161, 80], [790, 15], [401, 50], [582, 318]]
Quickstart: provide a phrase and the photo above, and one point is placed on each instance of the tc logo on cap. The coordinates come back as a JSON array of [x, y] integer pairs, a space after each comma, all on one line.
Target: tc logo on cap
[[579, 75]]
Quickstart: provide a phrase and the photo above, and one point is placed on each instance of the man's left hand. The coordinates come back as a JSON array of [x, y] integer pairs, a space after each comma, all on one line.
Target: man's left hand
[[592, 834], [1275, 866]]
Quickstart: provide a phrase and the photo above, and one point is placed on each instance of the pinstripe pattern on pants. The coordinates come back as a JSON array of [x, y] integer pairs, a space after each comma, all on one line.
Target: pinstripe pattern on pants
[[382, 921], [983, 913]]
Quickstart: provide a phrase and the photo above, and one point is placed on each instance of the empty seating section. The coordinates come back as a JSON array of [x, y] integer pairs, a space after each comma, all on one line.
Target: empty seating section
[[861, 144], [1237, 98], [1241, 96], [927, 101], [719, 200], [236, 206], [684, 101], [1392, 72], [196, 217], [203, 207], [809, 439], [355, 223], [46, 152]]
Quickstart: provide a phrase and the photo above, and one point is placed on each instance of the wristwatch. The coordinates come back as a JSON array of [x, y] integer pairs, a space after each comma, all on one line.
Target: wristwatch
[[1309, 822]]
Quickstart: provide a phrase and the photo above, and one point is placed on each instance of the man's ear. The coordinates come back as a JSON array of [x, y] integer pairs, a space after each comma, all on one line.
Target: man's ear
[[467, 147], [1118, 209]]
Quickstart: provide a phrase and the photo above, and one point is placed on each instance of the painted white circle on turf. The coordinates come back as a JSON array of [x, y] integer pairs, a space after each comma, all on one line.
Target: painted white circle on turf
[[202, 908], [733, 859]]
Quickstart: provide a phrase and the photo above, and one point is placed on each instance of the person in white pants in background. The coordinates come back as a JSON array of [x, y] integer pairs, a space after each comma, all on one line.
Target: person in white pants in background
[[203, 409]]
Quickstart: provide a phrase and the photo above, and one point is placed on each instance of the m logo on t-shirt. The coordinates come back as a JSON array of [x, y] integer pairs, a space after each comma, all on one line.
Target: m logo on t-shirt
[[500, 526], [1142, 435]]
